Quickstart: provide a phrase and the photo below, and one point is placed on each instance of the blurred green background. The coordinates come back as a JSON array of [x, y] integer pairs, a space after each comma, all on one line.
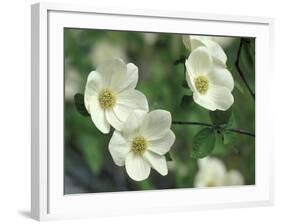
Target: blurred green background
[[88, 164]]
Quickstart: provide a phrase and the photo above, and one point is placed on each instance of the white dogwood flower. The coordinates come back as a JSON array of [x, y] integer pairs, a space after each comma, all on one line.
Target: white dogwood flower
[[110, 94], [191, 42], [143, 143], [212, 172], [210, 82]]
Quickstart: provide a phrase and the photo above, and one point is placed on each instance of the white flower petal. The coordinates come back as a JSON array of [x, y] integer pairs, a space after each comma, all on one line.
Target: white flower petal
[[211, 173], [203, 179], [94, 81], [163, 145], [212, 164], [204, 101], [216, 51], [93, 86], [157, 162], [190, 78], [199, 62], [203, 163], [197, 41], [132, 125], [112, 72], [200, 180], [122, 112], [113, 119], [129, 80], [191, 42], [220, 76], [127, 102], [118, 148], [98, 115], [220, 96], [156, 124], [234, 177], [216, 98], [137, 167], [215, 170], [133, 99]]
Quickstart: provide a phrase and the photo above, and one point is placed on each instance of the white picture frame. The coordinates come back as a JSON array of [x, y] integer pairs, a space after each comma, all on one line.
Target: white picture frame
[[48, 201]]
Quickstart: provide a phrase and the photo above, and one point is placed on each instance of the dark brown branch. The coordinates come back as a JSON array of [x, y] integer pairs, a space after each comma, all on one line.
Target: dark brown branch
[[236, 130], [240, 70], [240, 131]]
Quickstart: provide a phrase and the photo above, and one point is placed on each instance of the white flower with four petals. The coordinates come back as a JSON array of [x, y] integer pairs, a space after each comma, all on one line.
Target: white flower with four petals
[[210, 82], [143, 143], [110, 95]]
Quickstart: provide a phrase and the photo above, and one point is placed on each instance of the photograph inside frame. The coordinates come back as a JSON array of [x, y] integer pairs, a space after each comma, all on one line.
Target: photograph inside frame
[[152, 111]]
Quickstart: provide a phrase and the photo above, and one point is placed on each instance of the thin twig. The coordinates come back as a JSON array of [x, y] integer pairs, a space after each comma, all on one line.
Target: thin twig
[[240, 70], [239, 131], [194, 123]]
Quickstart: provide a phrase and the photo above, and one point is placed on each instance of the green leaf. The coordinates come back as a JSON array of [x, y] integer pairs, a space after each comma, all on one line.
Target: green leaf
[[220, 149], [203, 143], [229, 138], [247, 61], [239, 87], [219, 117], [79, 104], [231, 122], [168, 156]]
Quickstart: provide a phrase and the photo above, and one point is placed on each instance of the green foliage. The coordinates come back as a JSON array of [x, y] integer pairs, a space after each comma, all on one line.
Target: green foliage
[[79, 104], [229, 137], [225, 140], [220, 149], [239, 87], [219, 117], [231, 122], [203, 143], [247, 61]]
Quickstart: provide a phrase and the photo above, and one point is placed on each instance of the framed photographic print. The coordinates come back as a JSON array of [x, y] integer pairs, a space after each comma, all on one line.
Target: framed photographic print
[[143, 111]]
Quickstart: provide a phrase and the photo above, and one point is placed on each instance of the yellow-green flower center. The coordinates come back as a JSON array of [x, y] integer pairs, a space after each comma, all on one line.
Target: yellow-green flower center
[[211, 183], [202, 84], [107, 99], [139, 145]]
